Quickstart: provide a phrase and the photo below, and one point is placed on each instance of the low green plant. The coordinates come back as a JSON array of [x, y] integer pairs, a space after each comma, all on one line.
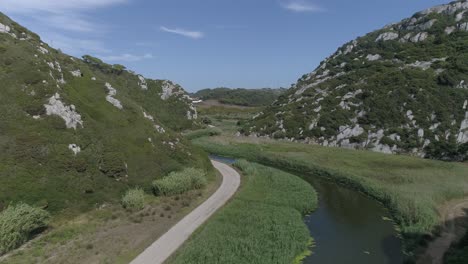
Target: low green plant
[[180, 182], [262, 224], [134, 199], [17, 224], [207, 132]]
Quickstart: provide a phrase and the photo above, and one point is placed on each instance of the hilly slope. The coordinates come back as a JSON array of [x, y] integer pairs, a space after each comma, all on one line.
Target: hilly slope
[[78, 133], [400, 89], [240, 96]]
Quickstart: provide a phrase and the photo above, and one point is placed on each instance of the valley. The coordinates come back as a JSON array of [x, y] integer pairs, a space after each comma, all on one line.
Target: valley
[[362, 160]]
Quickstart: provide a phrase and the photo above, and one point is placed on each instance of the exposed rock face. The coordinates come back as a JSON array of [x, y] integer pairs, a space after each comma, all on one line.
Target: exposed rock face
[[387, 36], [142, 83], [67, 113], [168, 90], [394, 90], [463, 135], [76, 73], [375, 57], [4, 28], [74, 148], [111, 92]]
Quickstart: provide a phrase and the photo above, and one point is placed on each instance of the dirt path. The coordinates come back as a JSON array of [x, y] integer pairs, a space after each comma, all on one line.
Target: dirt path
[[454, 216], [167, 244]]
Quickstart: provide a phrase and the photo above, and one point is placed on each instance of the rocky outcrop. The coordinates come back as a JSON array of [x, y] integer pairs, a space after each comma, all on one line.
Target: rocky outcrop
[[387, 36], [111, 92], [74, 148], [142, 82], [168, 89], [67, 113]]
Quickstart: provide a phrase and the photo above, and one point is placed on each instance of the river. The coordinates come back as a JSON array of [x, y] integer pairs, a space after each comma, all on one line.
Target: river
[[348, 227]]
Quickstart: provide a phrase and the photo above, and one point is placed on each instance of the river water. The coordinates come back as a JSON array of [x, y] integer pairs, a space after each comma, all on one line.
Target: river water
[[348, 227]]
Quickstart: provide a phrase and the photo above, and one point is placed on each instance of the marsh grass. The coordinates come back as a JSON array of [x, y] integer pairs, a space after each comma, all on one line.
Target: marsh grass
[[412, 188], [262, 224]]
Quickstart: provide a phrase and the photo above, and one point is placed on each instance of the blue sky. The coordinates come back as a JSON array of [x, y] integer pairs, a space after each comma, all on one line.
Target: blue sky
[[209, 43]]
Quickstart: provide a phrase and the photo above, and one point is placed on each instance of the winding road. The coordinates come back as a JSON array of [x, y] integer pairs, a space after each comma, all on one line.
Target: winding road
[[168, 243]]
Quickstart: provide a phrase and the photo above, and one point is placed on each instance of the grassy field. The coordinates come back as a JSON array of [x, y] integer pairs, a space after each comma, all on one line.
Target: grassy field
[[263, 223], [411, 188]]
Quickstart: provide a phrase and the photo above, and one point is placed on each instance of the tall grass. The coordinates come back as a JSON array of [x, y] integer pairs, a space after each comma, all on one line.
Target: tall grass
[[263, 223], [411, 188], [17, 222], [180, 182]]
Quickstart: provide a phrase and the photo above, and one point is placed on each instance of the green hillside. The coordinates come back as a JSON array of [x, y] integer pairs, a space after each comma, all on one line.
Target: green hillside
[[76, 133], [241, 97], [400, 89]]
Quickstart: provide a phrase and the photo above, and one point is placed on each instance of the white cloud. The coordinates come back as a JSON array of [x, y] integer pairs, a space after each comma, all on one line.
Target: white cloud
[[301, 6], [126, 57], [185, 33], [54, 6]]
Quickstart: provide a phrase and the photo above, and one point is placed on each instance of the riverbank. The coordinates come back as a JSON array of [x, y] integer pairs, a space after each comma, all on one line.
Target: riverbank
[[262, 224], [411, 188]]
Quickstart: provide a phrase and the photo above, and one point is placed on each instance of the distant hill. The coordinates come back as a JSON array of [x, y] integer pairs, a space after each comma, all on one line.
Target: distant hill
[[79, 132], [400, 89], [241, 97]]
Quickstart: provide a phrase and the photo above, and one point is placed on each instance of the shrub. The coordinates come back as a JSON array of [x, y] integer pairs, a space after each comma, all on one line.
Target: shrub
[[207, 132], [134, 199], [17, 224], [180, 182]]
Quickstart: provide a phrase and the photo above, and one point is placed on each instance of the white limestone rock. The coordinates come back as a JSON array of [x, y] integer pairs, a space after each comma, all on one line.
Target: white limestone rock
[[373, 57], [421, 36], [74, 148], [350, 47], [463, 26], [387, 36], [459, 16], [142, 82], [4, 28], [450, 9], [160, 129], [168, 90], [450, 30], [463, 135], [67, 113], [147, 116], [76, 73], [43, 50], [111, 92]]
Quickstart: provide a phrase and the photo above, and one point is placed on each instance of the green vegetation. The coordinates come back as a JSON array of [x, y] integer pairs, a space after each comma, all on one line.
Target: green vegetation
[[242, 97], [134, 199], [18, 223], [350, 91], [263, 223], [411, 188], [70, 171], [203, 133], [180, 182]]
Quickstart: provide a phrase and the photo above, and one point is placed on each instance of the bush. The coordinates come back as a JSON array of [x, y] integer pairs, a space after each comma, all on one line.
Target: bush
[[17, 224], [180, 182], [134, 199], [207, 132]]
